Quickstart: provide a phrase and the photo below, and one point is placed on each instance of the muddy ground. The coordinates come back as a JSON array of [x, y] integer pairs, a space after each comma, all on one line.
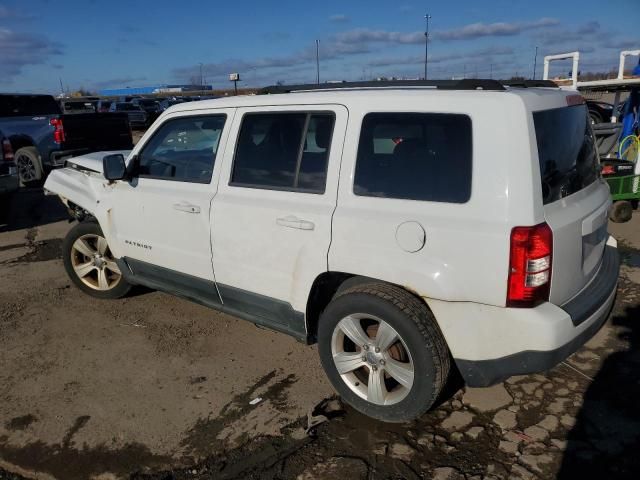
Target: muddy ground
[[155, 387]]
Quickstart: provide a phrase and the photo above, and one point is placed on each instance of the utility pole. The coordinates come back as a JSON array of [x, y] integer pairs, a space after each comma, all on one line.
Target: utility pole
[[535, 62], [318, 61], [426, 45]]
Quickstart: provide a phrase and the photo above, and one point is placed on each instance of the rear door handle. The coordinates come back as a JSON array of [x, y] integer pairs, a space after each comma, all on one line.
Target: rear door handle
[[292, 221], [186, 207]]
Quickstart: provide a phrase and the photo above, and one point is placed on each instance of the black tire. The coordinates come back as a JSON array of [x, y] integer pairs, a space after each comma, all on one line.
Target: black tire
[[595, 117], [120, 289], [29, 166], [621, 212], [416, 326]]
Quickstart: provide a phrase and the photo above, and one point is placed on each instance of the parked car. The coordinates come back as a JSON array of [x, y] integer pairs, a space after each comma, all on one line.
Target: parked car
[[150, 106], [103, 106], [599, 112], [9, 181], [399, 228], [42, 137], [137, 116], [128, 98], [77, 106], [169, 103]]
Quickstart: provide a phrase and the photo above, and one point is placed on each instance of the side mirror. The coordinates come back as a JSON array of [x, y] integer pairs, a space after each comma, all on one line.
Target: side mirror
[[113, 167]]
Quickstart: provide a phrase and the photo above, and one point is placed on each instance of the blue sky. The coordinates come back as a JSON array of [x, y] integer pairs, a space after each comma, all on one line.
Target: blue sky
[[98, 44]]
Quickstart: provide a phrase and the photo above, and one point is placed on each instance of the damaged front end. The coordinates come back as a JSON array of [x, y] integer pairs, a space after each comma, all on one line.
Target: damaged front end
[[80, 185]]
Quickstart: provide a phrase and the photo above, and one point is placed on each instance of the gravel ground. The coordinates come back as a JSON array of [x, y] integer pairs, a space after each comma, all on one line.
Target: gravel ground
[[155, 387]]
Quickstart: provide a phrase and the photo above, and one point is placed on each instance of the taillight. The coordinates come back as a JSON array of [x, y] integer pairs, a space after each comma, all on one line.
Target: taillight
[[58, 132], [608, 170], [530, 266], [7, 151]]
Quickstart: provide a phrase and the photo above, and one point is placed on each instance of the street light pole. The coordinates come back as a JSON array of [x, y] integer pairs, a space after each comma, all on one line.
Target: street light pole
[[535, 62], [318, 62], [426, 46]]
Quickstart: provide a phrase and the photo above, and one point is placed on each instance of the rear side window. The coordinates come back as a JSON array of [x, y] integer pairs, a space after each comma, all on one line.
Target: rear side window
[[415, 156], [566, 151], [28, 105], [286, 151]]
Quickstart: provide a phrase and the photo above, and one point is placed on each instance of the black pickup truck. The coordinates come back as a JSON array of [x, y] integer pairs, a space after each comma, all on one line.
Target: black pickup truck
[[42, 137]]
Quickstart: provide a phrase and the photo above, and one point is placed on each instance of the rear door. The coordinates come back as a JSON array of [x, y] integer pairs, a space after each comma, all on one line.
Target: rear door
[[271, 217], [576, 200]]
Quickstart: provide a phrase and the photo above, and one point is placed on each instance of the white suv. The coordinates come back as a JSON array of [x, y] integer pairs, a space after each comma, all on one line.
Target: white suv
[[406, 229]]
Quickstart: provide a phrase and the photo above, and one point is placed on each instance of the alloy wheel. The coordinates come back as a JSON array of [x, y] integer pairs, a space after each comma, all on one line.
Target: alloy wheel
[[372, 359], [93, 262], [26, 168]]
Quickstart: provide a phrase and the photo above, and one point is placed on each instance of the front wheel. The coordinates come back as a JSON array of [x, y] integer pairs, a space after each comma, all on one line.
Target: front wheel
[[90, 264], [383, 352]]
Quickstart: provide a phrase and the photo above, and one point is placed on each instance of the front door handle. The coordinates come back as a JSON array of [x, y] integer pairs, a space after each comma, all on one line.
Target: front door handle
[[292, 221], [186, 207]]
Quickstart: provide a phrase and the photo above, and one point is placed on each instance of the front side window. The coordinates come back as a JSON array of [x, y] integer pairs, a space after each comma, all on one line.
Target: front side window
[[415, 156], [183, 149], [288, 151]]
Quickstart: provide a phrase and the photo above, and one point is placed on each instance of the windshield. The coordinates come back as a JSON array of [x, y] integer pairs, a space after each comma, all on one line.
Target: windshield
[[566, 151]]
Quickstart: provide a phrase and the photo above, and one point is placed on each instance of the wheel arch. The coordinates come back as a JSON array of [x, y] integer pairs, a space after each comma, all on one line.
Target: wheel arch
[[21, 141], [328, 284]]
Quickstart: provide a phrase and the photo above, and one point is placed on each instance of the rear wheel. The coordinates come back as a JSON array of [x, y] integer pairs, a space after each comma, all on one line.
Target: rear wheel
[[90, 264], [29, 165], [621, 212], [383, 352]]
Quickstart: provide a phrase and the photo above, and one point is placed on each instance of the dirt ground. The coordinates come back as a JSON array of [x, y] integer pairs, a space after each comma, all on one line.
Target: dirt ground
[[154, 387]]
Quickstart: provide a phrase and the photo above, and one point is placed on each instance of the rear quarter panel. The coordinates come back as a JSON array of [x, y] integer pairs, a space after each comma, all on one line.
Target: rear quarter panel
[[30, 130], [466, 253]]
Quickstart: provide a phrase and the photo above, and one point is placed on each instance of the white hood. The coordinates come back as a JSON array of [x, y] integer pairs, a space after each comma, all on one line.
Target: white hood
[[93, 161]]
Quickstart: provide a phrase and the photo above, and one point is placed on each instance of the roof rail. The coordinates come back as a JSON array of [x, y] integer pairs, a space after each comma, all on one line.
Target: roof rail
[[529, 83], [463, 84]]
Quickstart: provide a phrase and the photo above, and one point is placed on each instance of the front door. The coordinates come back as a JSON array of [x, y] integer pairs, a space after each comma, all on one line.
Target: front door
[[161, 218], [272, 214]]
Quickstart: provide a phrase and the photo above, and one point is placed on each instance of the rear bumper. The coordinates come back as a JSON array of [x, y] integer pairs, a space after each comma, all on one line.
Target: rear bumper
[[490, 344]]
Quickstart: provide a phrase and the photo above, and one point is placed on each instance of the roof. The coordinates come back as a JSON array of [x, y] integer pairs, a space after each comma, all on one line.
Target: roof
[[346, 94]]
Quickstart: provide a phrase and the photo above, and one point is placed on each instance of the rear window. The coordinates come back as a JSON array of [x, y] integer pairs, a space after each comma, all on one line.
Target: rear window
[[566, 151], [415, 156], [27, 105]]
